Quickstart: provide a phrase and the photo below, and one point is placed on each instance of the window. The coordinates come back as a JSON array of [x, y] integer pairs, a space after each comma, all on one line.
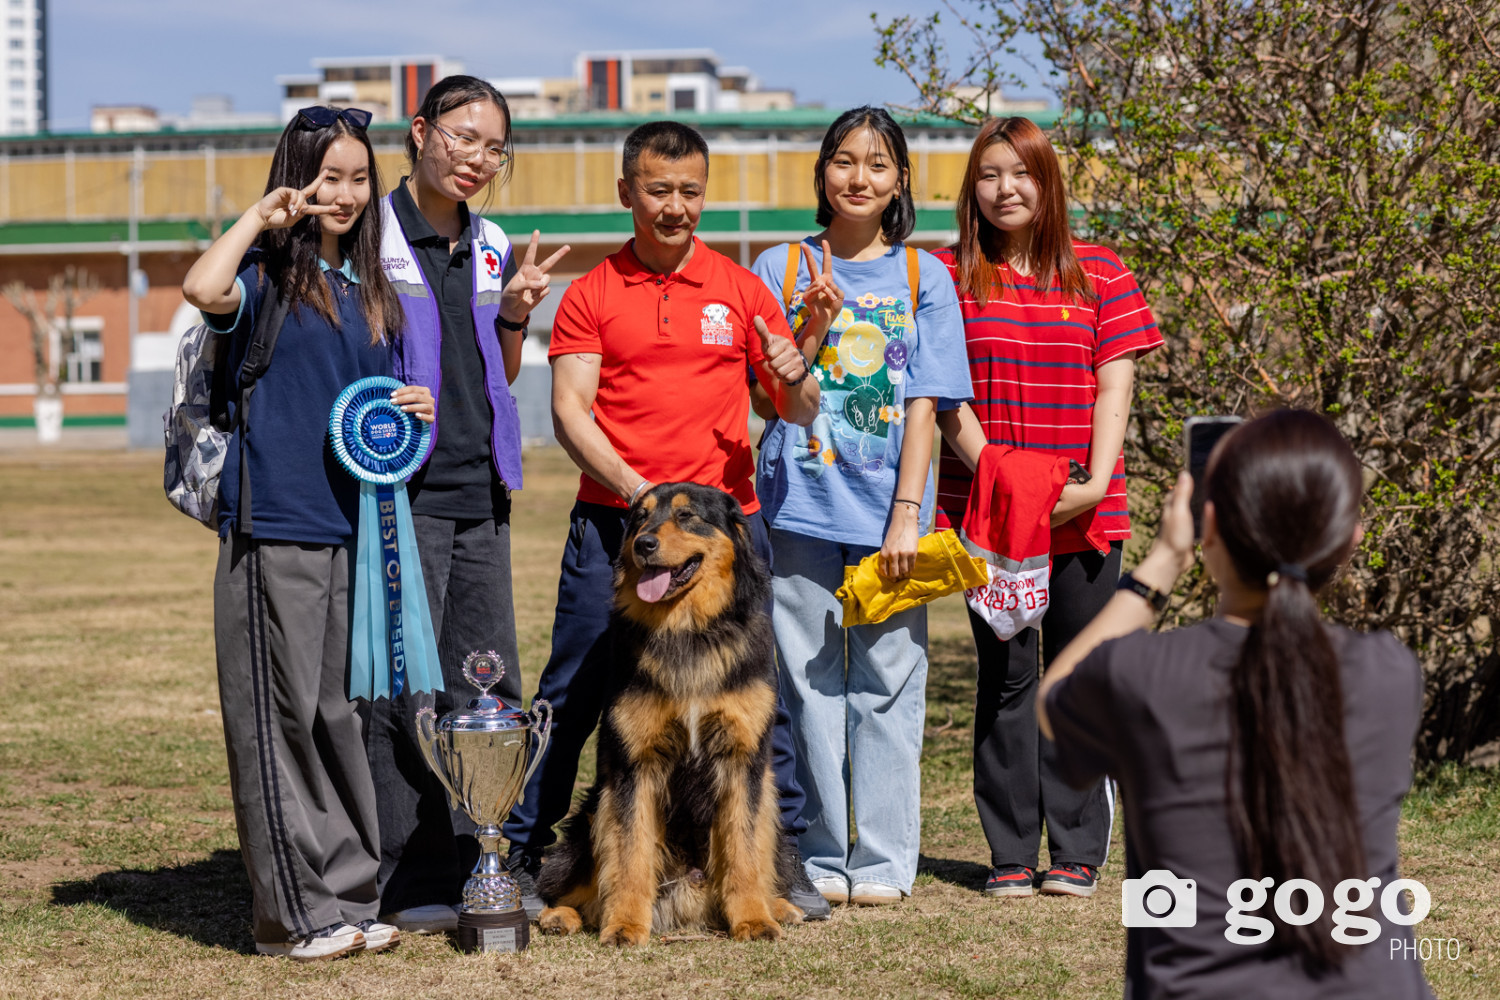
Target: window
[[16, 24], [17, 43], [16, 64], [17, 84], [684, 100], [18, 104], [86, 364]]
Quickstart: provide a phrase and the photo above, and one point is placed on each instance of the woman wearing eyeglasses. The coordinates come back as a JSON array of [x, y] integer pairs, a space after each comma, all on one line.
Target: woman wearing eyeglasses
[[304, 803], [467, 294]]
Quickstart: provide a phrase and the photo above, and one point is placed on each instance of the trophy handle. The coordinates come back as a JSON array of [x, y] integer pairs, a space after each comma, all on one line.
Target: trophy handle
[[427, 738], [541, 728]]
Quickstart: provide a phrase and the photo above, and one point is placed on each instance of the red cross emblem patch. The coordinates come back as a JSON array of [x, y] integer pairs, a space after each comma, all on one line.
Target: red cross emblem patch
[[491, 259]]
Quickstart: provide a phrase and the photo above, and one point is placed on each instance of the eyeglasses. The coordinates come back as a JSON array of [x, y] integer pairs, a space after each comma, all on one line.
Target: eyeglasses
[[321, 117], [465, 148]]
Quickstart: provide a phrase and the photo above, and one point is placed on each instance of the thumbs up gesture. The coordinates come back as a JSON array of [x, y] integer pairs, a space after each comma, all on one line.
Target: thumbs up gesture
[[782, 356]]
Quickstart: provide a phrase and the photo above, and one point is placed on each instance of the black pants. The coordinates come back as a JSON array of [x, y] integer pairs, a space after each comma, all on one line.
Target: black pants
[[427, 849], [1016, 784]]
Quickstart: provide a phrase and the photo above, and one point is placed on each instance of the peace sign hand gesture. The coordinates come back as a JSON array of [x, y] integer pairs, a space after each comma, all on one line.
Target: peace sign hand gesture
[[824, 299], [286, 206], [529, 285]]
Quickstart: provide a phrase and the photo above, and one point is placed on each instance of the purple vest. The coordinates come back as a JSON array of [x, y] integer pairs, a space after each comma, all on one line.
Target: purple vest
[[418, 349]]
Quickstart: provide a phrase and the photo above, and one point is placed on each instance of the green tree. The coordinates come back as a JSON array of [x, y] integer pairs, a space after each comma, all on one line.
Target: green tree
[[1310, 195]]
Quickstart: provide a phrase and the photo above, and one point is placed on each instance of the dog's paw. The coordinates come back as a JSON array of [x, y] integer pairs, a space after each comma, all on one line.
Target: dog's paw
[[783, 912], [756, 929], [559, 920], [625, 935]]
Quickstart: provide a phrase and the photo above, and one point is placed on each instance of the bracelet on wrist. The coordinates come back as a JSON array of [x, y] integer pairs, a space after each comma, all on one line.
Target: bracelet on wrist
[[806, 371], [917, 504], [1148, 593], [637, 491], [506, 324]]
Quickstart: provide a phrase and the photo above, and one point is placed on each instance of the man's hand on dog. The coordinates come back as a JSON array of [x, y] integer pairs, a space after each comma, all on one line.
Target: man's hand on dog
[[782, 356], [899, 553]]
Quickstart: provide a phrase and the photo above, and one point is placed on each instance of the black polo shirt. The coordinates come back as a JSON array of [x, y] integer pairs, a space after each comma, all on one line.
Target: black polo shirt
[[459, 481]]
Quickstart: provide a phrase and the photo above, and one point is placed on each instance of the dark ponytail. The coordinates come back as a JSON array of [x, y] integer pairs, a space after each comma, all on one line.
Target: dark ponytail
[[1286, 492]]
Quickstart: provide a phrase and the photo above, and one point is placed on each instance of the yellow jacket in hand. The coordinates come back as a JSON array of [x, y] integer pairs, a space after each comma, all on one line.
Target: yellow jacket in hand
[[942, 567]]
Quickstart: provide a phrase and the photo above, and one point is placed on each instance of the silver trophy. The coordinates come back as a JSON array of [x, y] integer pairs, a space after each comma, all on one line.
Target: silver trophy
[[483, 755]]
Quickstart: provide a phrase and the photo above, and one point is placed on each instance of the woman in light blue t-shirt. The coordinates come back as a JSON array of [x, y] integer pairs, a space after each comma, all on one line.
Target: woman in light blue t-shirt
[[880, 327]]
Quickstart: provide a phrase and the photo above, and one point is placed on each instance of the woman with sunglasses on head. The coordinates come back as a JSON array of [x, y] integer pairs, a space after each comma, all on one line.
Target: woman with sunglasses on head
[[1053, 327], [304, 802], [467, 295]]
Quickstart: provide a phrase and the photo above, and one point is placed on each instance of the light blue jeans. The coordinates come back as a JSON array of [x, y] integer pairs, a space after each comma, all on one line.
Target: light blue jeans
[[858, 702]]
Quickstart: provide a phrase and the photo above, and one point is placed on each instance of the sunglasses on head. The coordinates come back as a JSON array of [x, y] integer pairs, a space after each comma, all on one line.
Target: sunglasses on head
[[322, 117]]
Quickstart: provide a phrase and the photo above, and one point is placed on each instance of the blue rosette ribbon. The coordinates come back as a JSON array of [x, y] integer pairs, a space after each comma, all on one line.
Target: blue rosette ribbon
[[392, 648]]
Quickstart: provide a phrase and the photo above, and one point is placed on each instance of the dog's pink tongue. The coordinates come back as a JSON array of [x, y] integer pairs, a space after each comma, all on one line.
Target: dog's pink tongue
[[653, 584]]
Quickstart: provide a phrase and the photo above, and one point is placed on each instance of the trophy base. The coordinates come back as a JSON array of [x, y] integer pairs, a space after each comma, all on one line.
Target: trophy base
[[493, 932]]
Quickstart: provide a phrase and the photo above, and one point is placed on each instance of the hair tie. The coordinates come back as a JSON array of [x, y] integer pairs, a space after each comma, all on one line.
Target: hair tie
[[1292, 571]]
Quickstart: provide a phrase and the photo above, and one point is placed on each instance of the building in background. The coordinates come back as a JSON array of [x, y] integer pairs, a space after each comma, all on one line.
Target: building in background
[[391, 88], [665, 81], [23, 74], [208, 111]]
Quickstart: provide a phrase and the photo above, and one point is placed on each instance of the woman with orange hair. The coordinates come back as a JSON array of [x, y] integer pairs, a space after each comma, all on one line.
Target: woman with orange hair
[[1053, 327]]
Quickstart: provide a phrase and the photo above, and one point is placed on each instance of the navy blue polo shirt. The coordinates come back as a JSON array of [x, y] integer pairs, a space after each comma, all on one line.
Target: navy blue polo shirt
[[298, 491]]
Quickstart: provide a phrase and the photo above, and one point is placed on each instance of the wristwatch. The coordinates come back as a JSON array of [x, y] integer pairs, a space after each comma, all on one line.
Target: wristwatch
[[1152, 596]]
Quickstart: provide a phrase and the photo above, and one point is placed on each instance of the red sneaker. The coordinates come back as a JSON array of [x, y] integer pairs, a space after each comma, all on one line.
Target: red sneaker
[[1010, 880], [1070, 880]]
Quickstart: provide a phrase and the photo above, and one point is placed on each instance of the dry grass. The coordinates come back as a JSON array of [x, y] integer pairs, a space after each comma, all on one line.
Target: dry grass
[[120, 876]]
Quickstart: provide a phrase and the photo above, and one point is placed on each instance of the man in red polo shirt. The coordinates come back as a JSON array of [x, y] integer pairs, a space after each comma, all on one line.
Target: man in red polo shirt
[[649, 356]]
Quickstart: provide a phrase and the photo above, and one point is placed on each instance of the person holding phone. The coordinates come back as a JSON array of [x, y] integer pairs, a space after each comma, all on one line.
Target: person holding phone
[[467, 295], [1262, 745], [304, 803], [1053, 326]]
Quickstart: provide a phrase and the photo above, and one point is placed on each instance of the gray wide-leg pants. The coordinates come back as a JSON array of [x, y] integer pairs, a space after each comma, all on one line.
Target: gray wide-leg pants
[[304, 803]]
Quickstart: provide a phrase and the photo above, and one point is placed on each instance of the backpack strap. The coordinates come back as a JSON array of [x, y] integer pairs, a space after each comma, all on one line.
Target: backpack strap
[[913, 277], [789, 283], [268, 324]]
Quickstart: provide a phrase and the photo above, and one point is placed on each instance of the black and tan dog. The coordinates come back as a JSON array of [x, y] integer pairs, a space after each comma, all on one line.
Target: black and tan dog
[[682, 827]]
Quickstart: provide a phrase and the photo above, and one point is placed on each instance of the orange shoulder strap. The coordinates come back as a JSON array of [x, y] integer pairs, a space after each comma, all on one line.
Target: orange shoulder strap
[[789, 284], [913, 277]]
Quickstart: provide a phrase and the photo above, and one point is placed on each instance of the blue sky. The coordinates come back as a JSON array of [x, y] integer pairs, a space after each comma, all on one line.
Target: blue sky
[[163, 52]]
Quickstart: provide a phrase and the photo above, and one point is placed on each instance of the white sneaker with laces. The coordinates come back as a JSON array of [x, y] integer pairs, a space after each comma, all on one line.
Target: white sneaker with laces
[[435, 918], [378, 936], [319, 946], [833, 888], [874, 894]]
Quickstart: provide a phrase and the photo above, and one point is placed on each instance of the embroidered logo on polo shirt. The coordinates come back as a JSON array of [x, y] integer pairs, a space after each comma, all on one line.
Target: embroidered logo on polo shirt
[[717, 329], [490, 258]]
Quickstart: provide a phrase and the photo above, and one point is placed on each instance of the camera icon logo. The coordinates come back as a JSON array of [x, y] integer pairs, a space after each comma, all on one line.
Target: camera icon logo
[[1159, 899]]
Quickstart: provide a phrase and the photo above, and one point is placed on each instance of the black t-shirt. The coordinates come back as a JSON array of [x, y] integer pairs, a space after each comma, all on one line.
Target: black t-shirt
[[1153, 711], [459, 481]]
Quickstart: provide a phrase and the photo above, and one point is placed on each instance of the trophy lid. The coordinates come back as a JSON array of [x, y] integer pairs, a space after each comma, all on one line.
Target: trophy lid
[[485, 713]]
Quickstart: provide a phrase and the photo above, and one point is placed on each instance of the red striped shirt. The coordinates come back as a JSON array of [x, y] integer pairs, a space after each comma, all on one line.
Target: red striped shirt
[[1032, 359]]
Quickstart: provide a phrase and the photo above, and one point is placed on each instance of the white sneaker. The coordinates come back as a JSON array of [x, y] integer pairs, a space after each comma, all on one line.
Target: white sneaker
[[874, 894], [330, 942], [378, 936], [435, 918], [833, 888]]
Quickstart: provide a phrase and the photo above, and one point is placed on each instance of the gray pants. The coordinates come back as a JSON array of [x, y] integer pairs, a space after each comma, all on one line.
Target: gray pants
[[303, 800], [426, 851]]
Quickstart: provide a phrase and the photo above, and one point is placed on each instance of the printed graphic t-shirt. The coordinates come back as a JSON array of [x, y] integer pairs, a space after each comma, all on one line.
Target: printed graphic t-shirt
[[672, 397], [836, 479], [1152, 710], [1033, 356]]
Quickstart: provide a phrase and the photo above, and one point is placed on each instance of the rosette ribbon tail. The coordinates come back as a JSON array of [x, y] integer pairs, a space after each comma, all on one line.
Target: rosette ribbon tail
[[392, 647]]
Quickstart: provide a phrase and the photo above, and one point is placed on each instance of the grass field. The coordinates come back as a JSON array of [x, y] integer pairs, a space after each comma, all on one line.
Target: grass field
[[120, 875]]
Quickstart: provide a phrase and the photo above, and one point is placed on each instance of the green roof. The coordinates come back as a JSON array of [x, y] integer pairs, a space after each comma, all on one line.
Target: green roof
[[15, 237], [794, 118]]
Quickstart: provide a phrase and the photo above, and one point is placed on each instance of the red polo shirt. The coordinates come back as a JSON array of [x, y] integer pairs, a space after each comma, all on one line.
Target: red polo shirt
[[673, 398]]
